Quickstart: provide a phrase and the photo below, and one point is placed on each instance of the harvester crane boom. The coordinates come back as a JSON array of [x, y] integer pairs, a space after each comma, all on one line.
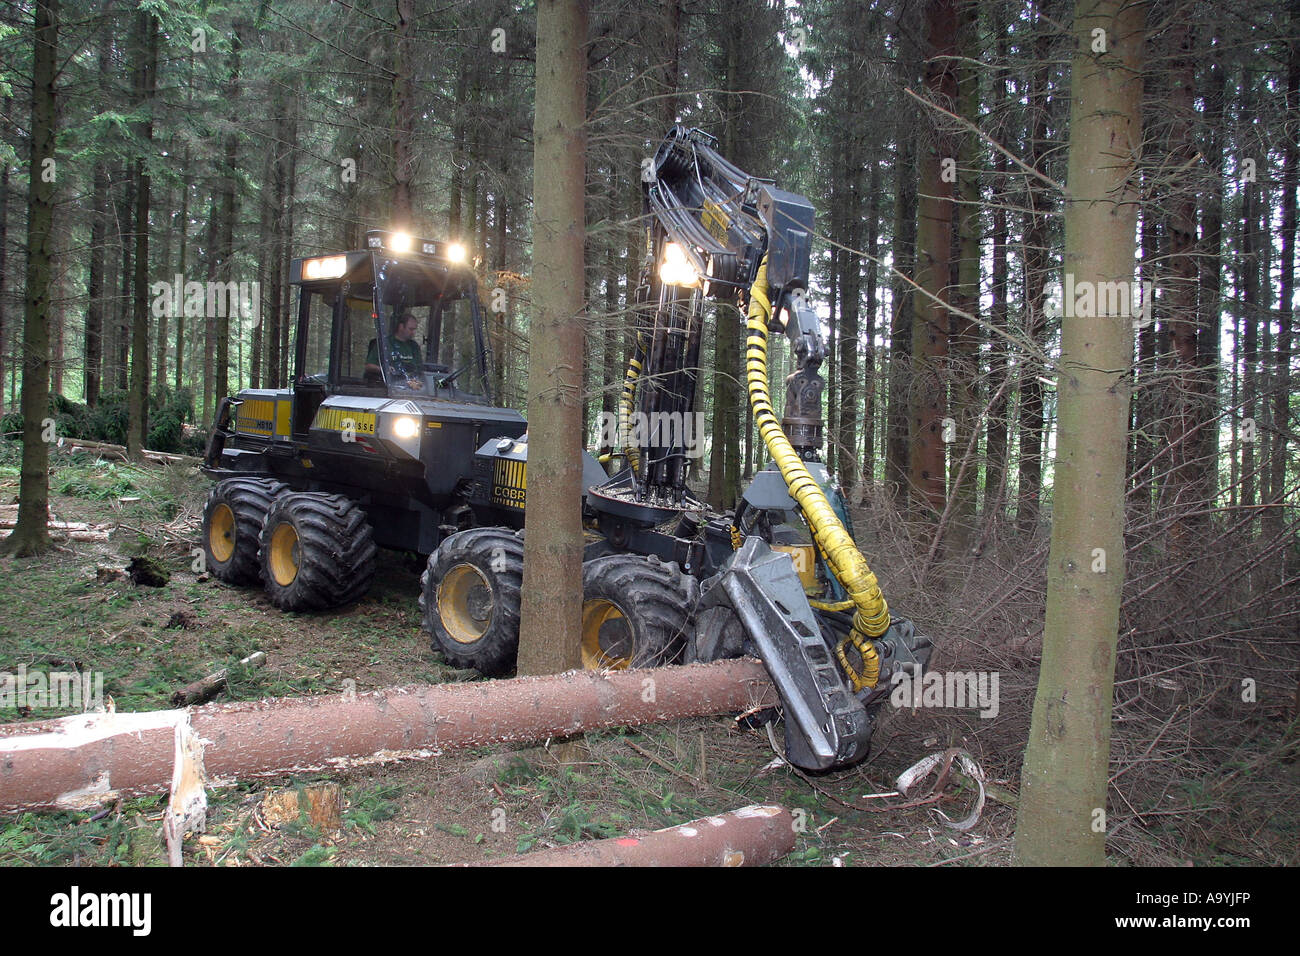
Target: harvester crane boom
[[715, 232]]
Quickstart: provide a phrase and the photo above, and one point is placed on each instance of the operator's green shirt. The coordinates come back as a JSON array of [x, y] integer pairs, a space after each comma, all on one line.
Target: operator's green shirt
[[403, 356]]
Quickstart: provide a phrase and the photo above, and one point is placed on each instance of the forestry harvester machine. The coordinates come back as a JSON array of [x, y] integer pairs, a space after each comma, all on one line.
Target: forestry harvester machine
[[389, 437]]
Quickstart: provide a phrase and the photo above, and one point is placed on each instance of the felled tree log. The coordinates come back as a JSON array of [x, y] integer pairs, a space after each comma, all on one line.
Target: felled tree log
[[66, 530], [750, 836], [81, 761], [118, 453]]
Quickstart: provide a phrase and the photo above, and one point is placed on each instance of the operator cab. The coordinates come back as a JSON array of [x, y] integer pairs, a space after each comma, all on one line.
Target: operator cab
[[399, 319]]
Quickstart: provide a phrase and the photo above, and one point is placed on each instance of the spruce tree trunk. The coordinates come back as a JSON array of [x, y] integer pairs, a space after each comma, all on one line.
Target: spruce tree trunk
[[999, 428], [999, 353], [928, 405], [181, 269], [724, 458], [551, 612], [58, 295], [403, 117], [268, 215], [163, 265], [900, 326], [1250, 319], [30, 535], [849, 399], [457, 158], [229, 208], [870, 382], [271, 317], [122, 312], [1061, 815], [4, 242], [614, 319], [1037, 261], [1211, 278], [964, 363], [287, 302], [501, 321], [137, 427], [1145, 415], [1183, 417], [1278, 442], [209, 321], [669, 58], [832, 392]]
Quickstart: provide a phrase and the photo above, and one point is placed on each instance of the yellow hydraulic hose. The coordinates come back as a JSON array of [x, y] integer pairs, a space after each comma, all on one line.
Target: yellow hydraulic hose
[[627, 402], [846, 562]]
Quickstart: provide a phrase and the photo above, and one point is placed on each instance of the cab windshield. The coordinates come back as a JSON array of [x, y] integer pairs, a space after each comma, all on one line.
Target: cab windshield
[[430, 338]]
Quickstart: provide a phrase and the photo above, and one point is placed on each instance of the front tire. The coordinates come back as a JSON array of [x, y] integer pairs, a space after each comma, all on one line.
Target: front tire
[[232, 527], [317, 551], [636, 612], [470, 597]]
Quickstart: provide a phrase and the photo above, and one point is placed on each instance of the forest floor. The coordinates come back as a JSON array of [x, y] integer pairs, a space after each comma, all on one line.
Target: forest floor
[[150, 641]]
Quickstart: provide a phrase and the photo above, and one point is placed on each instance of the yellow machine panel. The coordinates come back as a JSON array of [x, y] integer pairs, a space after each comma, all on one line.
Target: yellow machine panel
[[283, 417], [264, 413], [509, 483], [715, 220], [255, 417], [340, 419]]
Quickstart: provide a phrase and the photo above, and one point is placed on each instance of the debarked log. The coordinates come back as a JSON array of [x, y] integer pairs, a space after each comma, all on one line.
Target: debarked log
[[85, 760], [750, 836]]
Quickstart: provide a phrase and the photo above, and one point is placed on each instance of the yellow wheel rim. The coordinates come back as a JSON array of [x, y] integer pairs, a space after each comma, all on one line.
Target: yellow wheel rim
[[284, 554], [606, 636], [221, 533], [465, 603]]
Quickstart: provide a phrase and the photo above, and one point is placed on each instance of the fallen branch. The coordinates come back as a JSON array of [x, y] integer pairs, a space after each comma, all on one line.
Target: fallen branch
[[676, 772], [208, 687]]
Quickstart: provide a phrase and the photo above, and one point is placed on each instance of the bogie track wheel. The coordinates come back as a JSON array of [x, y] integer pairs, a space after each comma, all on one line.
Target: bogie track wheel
[[469, 599], [317, 551], [636, 612], [232, 527]]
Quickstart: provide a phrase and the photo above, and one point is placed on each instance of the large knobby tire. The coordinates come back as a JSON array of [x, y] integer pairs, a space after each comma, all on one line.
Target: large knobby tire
[[636, 612], [317, 551], [469, 599], [232, 527]]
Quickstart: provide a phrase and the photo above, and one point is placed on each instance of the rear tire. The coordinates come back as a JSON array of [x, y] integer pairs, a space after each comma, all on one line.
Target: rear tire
[[232, 527], [317, 551], [470, 596], [636, 612]]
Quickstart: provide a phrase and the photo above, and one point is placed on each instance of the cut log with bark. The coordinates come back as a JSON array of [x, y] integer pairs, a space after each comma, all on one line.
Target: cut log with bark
[[118, 452], [208, 687], [750, 836], [58, 530], [82, 761]]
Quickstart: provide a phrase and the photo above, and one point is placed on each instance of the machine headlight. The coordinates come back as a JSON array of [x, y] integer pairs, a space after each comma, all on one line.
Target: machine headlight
[[400, 242], [456, 252], [405, 426], [330, 267], [676, 269]]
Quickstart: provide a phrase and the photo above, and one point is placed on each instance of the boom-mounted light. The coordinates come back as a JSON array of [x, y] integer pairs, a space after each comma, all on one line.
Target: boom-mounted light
[[676, 268]]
